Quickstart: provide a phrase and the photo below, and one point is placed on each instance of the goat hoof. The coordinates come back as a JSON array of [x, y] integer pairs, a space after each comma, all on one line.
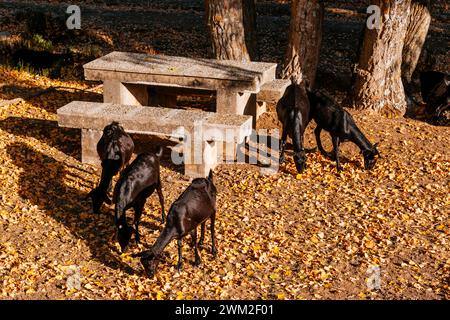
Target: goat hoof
[[339, 169], [180, 267], [282, 159], [214, 252], [200, 243], [197, 262]]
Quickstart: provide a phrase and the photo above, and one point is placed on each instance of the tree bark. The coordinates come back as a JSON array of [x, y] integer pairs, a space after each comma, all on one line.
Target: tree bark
[[232, 29], [305, 37], [249, 16], [418, 23], [378, 84]]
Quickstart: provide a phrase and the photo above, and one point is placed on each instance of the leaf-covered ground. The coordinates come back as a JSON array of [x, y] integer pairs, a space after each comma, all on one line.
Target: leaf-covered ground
[[312, 236], [289, 236]]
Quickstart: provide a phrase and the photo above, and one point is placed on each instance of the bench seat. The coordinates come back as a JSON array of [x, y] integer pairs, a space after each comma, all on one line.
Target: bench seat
[[199, 130], [272, 91]]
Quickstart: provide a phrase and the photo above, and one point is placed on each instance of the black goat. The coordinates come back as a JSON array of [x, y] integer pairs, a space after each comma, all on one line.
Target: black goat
[[293, 111], [115, 149], [435, 90], [136, 183], [194, 206], [341, 126]]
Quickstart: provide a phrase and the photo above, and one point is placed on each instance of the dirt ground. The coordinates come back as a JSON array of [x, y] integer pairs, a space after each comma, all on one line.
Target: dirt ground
[[282, 236]]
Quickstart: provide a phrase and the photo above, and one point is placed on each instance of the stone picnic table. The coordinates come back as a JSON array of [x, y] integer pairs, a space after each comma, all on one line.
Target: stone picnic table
[[140, 91], [155, 80]]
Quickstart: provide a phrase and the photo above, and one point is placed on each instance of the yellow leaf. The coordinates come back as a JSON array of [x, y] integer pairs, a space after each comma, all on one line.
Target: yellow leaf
[[280, 296], [180, 295], [273, 277], [370, 244], [159, 295]]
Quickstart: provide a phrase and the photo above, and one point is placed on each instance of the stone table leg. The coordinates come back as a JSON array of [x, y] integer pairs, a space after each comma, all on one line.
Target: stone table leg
[[233, 102], [125, 93], [89, 140], [199, 158]]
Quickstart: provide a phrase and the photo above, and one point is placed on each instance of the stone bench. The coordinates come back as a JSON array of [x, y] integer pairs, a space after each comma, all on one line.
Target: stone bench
[[198, 130], [272, 91]]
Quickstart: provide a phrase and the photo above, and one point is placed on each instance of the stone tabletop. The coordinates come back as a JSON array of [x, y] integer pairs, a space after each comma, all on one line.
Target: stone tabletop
[[180, 71]]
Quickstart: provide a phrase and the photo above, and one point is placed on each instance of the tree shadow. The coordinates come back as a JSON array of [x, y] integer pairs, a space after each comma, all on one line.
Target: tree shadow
[[65, 140], [43, 182], [47, 98]]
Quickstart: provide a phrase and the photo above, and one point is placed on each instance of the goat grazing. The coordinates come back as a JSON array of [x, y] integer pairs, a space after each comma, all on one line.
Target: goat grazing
[[341, 126], [136, 183], [435, 89], [194, 206], [115, 149], [293, 111]]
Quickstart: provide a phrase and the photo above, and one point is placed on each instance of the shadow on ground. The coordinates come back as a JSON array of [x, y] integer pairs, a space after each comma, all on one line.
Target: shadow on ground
[[42, 182]]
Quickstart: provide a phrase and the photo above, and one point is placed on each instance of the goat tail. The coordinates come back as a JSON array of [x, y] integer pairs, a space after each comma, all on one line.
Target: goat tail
[[210, 175], [159, 152]]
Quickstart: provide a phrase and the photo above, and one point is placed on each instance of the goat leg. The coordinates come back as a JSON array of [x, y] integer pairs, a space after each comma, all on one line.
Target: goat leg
[[161, 200], [213, 235], [202, 234], [138, 209], [317, 132], [110, 186], [283, 145], [180, 256], [194, 240], [335, 141]]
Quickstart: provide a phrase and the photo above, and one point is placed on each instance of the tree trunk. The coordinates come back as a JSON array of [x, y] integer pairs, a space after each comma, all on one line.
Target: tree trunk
[[378, 80], [305, 37], [418, 23], [232, 28], [249, 15]]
